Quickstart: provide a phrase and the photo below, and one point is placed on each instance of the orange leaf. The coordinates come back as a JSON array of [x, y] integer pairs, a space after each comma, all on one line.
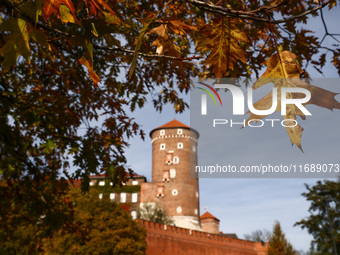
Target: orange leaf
[[53, 6], [95, 6], [89, 65]]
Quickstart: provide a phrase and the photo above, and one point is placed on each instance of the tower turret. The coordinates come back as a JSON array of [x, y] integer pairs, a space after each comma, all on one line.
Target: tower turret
[[174, 152]]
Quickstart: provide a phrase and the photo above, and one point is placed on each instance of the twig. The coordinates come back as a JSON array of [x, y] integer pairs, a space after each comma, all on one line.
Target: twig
[[144, 54], [251, 15]]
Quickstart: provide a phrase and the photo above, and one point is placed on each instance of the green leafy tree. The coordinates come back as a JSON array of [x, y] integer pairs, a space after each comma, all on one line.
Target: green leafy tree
[[154, 213], [28, 217], [324, 219], [278, 244], [87, 226], [99, 227]]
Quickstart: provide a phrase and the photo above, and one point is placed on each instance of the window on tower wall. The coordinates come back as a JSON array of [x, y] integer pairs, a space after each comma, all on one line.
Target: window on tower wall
[[123, 197], [134, 198], [168, 160], [162, 132], [166, 177], [179, 145], [172, 173], [134, 215], [160, 191], [176, 160], [112, 196], [179, 131], [162, 146]]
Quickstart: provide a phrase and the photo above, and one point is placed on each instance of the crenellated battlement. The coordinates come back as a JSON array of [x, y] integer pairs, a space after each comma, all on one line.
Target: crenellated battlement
[[173, 136], [178, 240]]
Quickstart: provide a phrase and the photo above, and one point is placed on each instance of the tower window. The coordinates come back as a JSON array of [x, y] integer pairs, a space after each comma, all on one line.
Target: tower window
[[194, 148], [134, 215], [100, 196], [91, 183], [160, 191], [134, 198], [176, 160], [166, 177], [112, 196], [179, 209], [168, 160], [179, 145], [172, 173], [123, 197], [162, 132], [102, 183], [179, 131], [162, 146], [134, 182], [174, 192]]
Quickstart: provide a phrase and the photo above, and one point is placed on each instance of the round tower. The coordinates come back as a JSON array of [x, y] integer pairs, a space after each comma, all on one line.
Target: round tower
[[174, 154]]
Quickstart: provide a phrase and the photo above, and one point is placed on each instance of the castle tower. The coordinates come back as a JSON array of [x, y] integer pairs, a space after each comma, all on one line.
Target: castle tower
[[210, 223], [174, 152]]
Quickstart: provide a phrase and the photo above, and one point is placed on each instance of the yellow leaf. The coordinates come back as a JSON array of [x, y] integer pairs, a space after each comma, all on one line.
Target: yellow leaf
[[284, 71], [66, 15], [17, 42], [222, 39]]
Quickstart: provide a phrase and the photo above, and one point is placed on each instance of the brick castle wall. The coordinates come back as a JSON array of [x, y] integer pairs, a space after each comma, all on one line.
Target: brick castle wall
[[169, 240]]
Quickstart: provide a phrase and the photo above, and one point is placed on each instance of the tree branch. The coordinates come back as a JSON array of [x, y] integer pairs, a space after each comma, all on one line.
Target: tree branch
[[251, 15], [144, 54], [9, 5]]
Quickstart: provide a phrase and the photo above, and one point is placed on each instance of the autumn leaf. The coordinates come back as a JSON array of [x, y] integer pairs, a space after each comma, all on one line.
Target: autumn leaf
[[179, 27], [17, 43], [284, 71], [65, 14], [163, 42], [139, 41], [95, 7], [222, 39], [89, 66], [53, 7]]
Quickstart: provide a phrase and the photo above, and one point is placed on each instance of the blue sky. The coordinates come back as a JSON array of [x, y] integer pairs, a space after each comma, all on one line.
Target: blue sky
[[247, 204]]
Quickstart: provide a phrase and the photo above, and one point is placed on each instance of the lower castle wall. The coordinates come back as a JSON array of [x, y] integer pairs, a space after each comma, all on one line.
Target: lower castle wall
[[169, 240]]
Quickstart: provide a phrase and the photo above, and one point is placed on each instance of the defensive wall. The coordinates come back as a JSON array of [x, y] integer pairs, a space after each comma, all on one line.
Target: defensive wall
[[170, 240]]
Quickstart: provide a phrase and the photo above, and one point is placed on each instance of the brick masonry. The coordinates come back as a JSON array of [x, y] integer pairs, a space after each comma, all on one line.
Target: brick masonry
[[169, 240], [174, 151]]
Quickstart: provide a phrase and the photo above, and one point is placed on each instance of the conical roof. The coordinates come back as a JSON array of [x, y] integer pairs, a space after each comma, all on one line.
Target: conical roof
[[172, 124], [208, 215]]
